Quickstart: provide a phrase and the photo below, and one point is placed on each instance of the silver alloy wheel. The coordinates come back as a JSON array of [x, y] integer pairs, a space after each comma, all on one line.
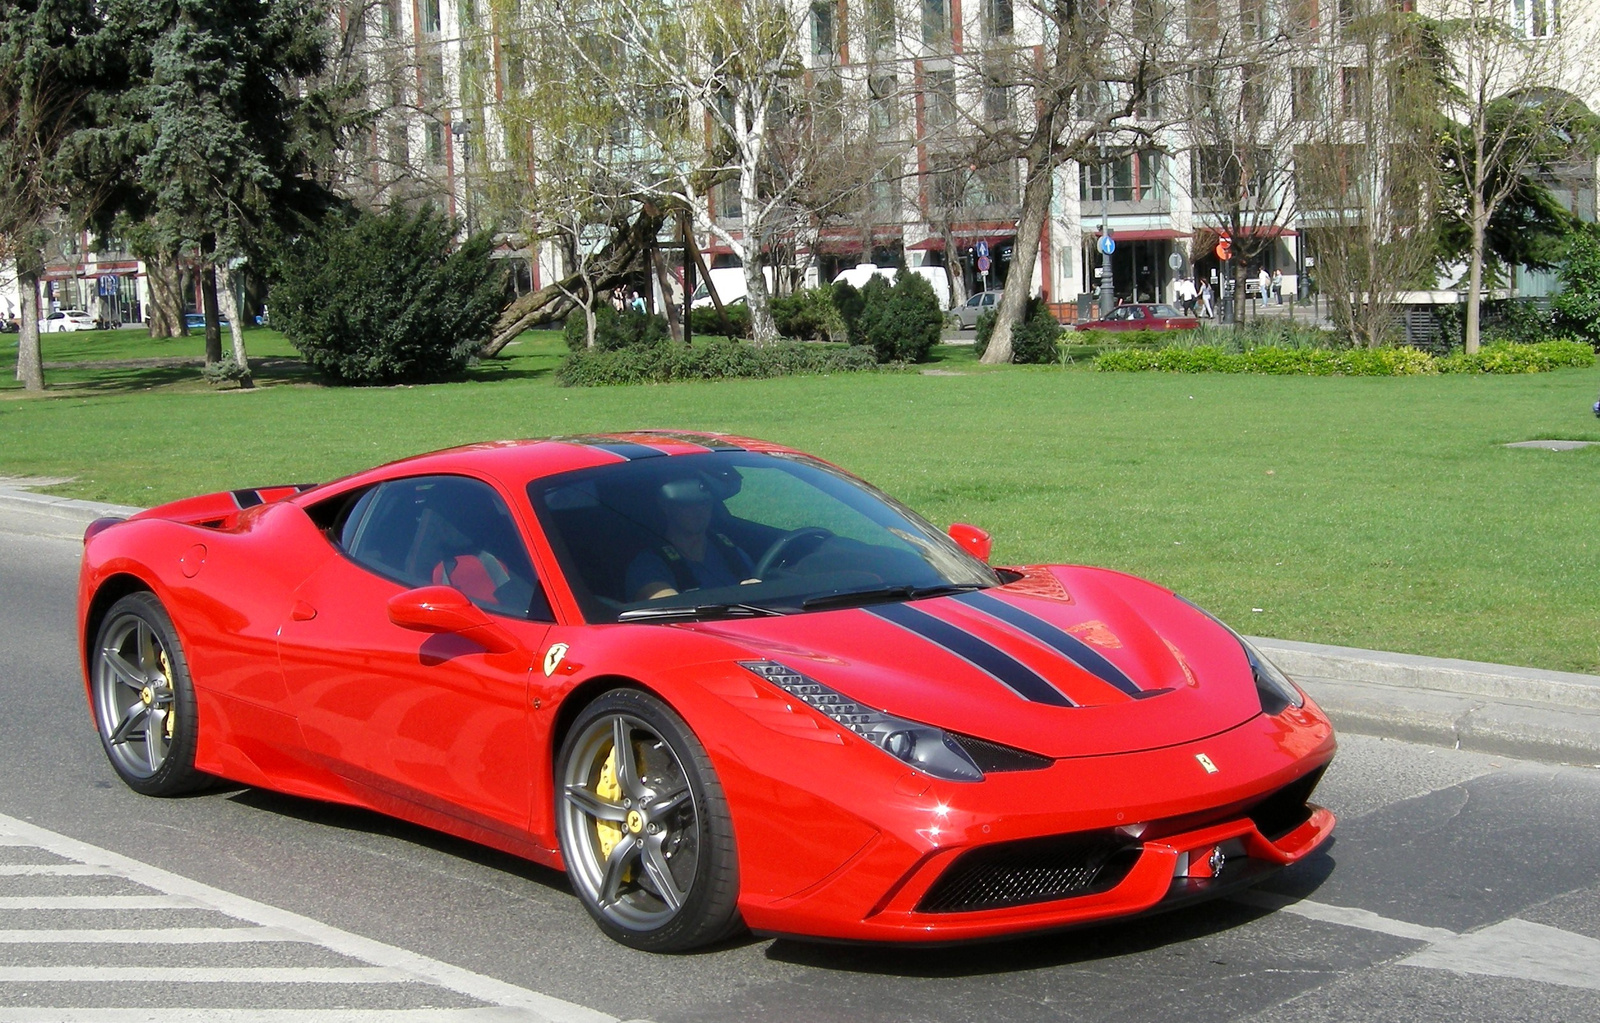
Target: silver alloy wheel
[[134, 696], [630, 821]]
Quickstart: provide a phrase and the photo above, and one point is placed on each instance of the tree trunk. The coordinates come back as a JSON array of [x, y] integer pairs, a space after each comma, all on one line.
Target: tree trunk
[[952, 266], [164, 311], [1019, 284], [763, 330], [230, 305], [208, 298], [664, 281], [30, 361], [1475, 275]]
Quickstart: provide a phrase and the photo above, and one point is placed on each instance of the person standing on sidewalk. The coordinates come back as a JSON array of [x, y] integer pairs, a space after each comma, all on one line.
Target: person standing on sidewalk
[[1277, 287], [1207, 308]]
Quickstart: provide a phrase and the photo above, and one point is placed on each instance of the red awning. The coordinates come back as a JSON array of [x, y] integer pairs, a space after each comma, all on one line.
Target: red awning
[[1269, 231], [964, 239]]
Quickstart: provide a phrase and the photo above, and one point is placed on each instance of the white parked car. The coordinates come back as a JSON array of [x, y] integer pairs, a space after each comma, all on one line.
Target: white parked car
[[936, 276], [66, 319]]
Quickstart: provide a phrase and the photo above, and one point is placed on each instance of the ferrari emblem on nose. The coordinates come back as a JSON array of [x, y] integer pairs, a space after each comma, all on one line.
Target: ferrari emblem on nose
[[552, 658], [1205, 762]]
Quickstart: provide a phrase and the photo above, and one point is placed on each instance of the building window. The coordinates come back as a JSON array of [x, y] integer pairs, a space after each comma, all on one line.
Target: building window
[[429, 10], [1304, 16], [830, 104], [1253, 91], [824, 37], [997, 18], [1536, 19], [467, 16], [1253, 23], [1150, 106], [949, 188], [935, 21], [1202, 19], [1354, 88], [1126, 178], [996, 95], [391, 18], [879, 28], [1351, 11], [730, 205], [939, 99], [435, 135], [1305, 99], [884, 98]]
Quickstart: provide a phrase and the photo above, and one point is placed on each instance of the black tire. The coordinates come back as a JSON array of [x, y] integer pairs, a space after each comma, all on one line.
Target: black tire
[[669, 829], [143, 699]]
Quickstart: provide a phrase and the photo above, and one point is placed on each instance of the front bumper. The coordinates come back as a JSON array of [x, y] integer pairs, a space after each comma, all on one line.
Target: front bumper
[[1161, 831]]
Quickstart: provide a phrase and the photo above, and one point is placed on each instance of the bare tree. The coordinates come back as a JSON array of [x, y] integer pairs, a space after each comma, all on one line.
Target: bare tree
[[1367, 172], [1514, 70]]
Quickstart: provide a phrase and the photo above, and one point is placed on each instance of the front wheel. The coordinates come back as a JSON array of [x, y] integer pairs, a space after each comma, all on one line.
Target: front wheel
[[644, 826], [143, 699]]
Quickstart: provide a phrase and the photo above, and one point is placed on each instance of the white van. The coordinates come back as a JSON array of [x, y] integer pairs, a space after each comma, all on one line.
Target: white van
[[936, 276], [730, 285]]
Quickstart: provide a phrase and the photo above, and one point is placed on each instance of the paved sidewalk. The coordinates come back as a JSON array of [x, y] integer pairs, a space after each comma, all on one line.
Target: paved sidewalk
[[1492, 708]]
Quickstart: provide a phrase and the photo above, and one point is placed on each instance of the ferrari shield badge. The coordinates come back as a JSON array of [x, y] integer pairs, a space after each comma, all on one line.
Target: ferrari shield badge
[[1205, 761], [553, 658]]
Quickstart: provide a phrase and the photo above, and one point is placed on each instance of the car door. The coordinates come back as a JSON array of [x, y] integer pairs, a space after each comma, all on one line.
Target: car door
[[432, 719]]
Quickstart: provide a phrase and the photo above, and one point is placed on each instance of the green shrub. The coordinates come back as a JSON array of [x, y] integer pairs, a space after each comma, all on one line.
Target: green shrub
[[900, 322], [1036, 340], [1511, 358], [710, 360], [226, 372], [809, 314], [705, 322], [385, 299], [848, 301], [1270, 359], [1577, 307], [613, 330]]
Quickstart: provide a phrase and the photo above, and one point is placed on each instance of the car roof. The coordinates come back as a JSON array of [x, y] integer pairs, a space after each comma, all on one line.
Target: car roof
[[518, 462]]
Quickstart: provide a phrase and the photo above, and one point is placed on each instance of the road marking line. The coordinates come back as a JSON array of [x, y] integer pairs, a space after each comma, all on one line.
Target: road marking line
[[51, 870], [533, 1005], [147, 936], [97, 902], [1364, 919], [1518, 949], [203, 975], [486, 1014]]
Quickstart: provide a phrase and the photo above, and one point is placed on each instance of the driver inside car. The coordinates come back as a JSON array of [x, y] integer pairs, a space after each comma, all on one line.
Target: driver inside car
[[690, 555]]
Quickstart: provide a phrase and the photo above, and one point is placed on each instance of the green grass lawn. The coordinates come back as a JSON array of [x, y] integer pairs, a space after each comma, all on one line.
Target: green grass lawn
[[1376, 512]]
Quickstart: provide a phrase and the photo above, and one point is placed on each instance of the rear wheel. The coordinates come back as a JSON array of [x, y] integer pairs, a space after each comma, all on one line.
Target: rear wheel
[[143, 699], [644, 826]]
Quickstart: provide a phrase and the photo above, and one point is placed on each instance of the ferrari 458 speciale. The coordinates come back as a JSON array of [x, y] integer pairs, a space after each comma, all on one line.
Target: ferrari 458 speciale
[[720, 683]]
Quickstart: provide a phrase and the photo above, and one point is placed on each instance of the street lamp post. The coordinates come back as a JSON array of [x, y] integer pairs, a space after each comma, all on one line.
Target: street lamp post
[[462, 130], [1107, 294]]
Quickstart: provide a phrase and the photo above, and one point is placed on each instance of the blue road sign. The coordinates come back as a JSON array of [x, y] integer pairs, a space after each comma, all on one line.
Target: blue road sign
[[1107, 244], [982, 248], [983, 264]]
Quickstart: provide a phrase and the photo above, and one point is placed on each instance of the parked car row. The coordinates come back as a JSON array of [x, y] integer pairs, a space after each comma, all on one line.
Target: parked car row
[[1137, 316]]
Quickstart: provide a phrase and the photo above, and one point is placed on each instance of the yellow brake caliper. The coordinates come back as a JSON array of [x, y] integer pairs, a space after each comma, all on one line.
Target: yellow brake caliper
[[607, 788], [166, 673]]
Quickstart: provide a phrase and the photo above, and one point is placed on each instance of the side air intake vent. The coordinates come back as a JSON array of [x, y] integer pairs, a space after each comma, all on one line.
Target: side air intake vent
[[993, 758], [1285, 810], [1032, 870]]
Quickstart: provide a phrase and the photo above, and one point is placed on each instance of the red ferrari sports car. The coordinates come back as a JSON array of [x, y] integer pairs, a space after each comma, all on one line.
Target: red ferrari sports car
[[1142, 317], [720, 683]]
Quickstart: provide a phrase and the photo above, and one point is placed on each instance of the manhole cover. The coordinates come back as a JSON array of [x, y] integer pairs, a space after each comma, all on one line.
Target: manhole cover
[[1552, 445]]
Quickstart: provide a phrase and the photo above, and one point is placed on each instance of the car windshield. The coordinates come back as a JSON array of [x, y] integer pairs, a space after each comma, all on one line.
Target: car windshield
[[1166, 311], [739, 533]]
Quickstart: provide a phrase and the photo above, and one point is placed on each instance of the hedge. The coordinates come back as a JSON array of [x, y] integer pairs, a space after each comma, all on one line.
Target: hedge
[[1498, 358], [707, 360]]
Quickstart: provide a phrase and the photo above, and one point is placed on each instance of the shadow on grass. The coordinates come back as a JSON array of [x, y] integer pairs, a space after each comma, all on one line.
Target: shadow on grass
[[140, 375]]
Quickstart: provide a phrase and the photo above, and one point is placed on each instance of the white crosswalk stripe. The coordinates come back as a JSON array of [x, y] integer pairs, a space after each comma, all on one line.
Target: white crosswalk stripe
[[32, 928]]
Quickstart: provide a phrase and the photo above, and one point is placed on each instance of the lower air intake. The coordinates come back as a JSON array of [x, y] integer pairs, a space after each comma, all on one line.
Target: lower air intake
[[1032, 870]]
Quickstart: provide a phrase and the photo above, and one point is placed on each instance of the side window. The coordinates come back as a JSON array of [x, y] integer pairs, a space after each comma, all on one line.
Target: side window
[[445, 531]]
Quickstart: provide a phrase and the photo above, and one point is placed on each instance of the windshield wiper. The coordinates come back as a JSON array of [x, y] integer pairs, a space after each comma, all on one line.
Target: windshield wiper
[[686, 612], [884, 593]]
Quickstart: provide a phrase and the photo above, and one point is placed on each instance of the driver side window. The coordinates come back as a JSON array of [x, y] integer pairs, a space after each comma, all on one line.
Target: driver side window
[[445, 531]]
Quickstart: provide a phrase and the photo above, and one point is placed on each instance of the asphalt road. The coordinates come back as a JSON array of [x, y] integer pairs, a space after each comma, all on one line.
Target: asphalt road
[[1459, 887]]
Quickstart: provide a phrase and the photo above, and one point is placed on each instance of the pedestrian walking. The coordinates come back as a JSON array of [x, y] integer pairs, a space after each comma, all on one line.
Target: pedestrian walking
[[638, 303], [1207, 305], [1264, 283], [1277, 287], [1183, 291]]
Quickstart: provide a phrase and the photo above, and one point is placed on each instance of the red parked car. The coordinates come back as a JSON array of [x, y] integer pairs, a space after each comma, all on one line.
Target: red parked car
[[719, 682], [1140, 316]]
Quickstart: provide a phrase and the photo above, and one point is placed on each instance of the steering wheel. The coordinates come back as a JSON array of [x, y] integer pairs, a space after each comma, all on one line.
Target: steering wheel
[[780, 547]]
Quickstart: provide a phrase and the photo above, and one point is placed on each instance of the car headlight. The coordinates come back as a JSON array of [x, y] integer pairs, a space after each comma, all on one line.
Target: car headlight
[[1272, 685], [1277, 693], [924, 747]]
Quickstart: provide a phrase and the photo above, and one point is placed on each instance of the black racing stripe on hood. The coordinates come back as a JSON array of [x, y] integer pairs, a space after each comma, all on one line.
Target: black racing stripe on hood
[[622, 449], [1063, 643], [1007, 670]]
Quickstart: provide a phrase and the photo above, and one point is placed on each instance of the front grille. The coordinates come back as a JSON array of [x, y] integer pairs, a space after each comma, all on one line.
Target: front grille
[[1285, 810], [993, 758], [1031, 870]]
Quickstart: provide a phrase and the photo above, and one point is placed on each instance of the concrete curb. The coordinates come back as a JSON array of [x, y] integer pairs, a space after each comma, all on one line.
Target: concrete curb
[[1493, 708]]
